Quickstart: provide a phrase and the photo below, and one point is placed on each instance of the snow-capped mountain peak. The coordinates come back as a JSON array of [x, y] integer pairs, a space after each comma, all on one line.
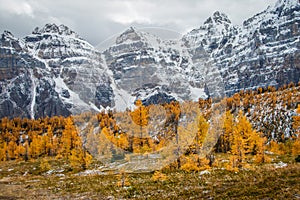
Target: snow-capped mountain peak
[[217, 24], [287, 3], [214, 29], [132, 35], [218, 18], [129, 35], [57, 42], [55, 29], [8, 40], [7, 35], [286, 7]]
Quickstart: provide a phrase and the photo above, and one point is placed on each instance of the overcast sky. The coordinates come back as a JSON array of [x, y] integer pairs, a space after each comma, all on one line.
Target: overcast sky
[[96, 20]]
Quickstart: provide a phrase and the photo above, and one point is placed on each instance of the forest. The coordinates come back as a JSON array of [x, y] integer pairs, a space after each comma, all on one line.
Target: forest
[[243, 146], [253, 125]]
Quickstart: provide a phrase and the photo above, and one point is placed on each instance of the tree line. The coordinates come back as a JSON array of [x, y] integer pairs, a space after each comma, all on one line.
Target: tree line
[[63, 138]]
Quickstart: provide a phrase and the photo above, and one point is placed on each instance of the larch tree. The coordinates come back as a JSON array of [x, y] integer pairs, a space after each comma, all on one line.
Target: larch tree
[[70, 138], [12, 150], [260, 148], [92, 141], [228, 131], [49, 144], [3, 151], [36, 146], [140, 117], [226, 138], [243, 141], [173, 111], [202, 132], [79, 158], [105, 145], [72, 147], [296, 126], [296, 121], [122, 141], [20, 151]]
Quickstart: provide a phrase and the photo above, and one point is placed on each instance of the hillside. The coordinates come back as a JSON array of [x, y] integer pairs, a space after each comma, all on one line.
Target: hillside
[[153, 133], [96, 156]]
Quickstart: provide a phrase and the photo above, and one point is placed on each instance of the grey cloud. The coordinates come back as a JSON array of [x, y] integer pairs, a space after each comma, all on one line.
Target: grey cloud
[[96, 20]]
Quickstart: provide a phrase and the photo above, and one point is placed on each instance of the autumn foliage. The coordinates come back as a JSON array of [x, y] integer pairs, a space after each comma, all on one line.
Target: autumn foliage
[[242, 140], [23, 139]]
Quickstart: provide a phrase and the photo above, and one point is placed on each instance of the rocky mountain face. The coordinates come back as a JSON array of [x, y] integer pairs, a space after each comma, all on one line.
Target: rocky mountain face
[[263, 52], [148, 68], [55, 72], [22, 92], [51, 72]]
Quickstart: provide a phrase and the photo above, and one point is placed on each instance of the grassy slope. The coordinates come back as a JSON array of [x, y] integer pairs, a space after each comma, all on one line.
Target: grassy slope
[[263, 182]]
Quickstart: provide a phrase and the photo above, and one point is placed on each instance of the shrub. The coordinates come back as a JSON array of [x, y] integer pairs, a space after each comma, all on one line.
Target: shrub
[[158, 176]]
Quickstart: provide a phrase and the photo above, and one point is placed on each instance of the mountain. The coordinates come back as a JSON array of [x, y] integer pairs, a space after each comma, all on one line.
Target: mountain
[[263, 52], [148, 68], [53, 71]]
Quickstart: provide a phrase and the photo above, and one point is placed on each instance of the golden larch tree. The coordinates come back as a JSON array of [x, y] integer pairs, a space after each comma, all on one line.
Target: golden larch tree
[[296, 126], [243, 140], [140, 117]]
